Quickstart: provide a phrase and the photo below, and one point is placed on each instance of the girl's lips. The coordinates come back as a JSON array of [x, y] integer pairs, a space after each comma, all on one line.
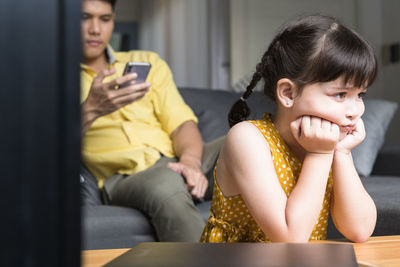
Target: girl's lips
[[348, 128]]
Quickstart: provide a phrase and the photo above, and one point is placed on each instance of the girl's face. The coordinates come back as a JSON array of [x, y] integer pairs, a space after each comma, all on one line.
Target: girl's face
[[333, 101]]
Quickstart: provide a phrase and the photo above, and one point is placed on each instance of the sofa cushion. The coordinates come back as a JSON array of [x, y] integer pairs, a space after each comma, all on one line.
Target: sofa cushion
[[384, 190], [90, 194], [387, 161], [204, 209], [106, 227]]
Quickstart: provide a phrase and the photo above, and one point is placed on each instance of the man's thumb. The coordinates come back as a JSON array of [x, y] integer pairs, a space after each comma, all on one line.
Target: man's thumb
[[175, 167]]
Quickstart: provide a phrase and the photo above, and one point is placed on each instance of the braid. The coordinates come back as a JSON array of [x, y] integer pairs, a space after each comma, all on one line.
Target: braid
[[240, 110]]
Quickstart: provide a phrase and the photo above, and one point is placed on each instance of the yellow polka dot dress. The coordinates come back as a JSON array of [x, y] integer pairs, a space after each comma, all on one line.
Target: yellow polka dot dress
[[231, 221]]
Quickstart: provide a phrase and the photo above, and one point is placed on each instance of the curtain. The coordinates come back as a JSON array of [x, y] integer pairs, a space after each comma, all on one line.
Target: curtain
[[192, 36]]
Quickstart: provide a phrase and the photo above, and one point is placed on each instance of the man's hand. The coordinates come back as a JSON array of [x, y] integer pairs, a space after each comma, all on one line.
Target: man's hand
[[188, 147], [315, 135], [104, 99], [352, 139], [196, 182]]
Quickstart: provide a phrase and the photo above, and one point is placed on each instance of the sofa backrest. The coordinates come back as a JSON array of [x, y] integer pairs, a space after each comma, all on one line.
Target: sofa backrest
[[212, 107]]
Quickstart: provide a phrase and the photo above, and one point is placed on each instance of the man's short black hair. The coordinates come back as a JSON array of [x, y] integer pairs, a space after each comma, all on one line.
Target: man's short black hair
[[112, 3]]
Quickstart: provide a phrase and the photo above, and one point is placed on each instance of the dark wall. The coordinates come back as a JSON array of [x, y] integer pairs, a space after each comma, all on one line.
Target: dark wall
[[129, 34], [39, 132]]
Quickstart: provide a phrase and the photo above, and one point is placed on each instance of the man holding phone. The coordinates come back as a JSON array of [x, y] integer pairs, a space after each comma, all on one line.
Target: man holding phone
[[140, 140]]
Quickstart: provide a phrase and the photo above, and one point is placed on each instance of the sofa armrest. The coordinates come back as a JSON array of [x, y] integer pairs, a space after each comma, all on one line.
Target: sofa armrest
[[90, 194], [388, 161]]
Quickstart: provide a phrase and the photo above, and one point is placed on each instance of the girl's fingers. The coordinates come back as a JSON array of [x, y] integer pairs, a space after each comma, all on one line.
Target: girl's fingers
[[315, 122], [335, 129], [306, 122], [295, 127], [326, 125]]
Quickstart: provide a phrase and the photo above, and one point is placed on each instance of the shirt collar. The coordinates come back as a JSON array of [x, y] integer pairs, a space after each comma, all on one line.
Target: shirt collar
[[109, 54]]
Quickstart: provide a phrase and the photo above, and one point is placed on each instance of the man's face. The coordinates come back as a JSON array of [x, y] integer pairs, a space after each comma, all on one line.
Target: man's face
[[97, 24]]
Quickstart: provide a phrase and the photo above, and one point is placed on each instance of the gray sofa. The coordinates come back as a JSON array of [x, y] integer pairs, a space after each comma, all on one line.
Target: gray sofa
[[106, 227]]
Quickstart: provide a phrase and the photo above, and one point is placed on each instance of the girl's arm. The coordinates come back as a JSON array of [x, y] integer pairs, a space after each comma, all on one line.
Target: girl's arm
[[246, 165], [353, 210]]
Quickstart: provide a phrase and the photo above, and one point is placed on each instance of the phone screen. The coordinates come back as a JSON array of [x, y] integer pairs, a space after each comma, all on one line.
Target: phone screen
[[141, 68]]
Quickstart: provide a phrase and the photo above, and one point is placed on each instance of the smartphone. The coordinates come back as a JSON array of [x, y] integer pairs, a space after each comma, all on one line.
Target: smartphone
[[141, 68]]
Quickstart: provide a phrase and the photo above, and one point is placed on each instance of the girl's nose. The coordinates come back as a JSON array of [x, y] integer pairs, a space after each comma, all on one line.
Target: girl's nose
[[354, 109]]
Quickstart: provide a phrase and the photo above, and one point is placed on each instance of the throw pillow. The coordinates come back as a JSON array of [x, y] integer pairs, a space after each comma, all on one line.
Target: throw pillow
[[377, 116]]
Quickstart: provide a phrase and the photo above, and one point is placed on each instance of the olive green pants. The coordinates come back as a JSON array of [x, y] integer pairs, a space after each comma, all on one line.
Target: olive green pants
[[161, 194]]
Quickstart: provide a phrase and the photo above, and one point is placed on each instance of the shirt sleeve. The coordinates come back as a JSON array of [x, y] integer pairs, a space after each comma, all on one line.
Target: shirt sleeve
[[169, 106]]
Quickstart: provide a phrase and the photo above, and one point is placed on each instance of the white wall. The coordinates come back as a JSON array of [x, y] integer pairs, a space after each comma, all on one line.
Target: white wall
[[128, 10], [254, 24], [378, 22], [191, 35], [369, 24], [178, 31], [390, 73]]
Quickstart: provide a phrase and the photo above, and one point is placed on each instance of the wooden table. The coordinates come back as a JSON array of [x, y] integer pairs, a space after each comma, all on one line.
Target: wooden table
[[378, 251]]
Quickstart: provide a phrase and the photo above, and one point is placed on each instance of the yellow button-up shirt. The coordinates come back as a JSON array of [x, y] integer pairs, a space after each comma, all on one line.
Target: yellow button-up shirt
[[132, 138]]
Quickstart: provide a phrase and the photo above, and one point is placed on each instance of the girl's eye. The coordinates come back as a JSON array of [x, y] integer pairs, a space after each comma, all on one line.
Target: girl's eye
[[340, 95], [362, 95]]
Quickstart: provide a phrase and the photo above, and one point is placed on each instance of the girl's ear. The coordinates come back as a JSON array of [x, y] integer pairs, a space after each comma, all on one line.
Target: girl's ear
[[286, 92]]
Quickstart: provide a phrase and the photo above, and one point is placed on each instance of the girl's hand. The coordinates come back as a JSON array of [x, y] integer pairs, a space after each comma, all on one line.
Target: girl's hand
[[352, 139], [315, 135]]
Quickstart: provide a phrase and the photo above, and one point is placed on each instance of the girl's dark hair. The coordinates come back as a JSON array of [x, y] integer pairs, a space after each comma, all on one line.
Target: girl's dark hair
[[310, 50]]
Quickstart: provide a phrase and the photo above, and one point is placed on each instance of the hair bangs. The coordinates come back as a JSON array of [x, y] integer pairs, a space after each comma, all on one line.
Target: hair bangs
[[340, 56], [360, 70]]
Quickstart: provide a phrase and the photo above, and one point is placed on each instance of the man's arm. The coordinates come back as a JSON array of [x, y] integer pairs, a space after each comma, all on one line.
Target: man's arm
[[188, 147], [103, 99]]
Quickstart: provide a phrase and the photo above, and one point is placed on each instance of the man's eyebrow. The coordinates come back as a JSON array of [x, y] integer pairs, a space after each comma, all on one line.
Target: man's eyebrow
[[102, 15]]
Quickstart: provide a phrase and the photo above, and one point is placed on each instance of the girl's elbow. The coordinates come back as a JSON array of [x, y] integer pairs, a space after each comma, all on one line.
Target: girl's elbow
[[359, 235], [359, 238]]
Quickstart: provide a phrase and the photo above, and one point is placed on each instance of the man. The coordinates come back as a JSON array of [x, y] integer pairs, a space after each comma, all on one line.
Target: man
[[141, 141]]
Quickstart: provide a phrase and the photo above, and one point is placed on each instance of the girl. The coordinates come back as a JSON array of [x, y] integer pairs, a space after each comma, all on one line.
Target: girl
[[277, 178]]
